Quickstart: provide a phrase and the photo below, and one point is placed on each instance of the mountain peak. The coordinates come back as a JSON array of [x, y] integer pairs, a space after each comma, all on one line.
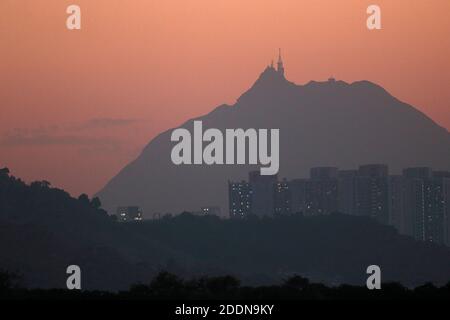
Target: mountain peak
[[271, 74], [271, 82]]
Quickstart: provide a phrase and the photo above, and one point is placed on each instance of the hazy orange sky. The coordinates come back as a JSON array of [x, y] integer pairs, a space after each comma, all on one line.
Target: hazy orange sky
[[76, 106]]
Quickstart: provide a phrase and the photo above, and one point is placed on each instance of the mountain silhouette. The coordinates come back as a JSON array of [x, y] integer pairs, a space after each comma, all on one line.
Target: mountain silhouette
[[330, 123]]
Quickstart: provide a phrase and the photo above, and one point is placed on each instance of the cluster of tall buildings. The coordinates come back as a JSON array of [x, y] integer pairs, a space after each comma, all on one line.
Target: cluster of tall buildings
[[416, 203]]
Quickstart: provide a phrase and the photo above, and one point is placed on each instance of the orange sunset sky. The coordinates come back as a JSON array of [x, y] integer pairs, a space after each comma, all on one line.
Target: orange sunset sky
[[76, 106]]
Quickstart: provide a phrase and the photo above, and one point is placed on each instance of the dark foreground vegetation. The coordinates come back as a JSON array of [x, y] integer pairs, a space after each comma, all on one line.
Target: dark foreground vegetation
[[43, 230], [167, 286]]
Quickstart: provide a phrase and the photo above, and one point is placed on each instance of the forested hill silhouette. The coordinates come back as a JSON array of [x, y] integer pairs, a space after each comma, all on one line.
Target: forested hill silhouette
[[330, 123], [43, 230]]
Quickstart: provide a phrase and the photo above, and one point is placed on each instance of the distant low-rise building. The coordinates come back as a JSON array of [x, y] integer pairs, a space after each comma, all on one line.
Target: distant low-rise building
[[129, 213], [210, 211]]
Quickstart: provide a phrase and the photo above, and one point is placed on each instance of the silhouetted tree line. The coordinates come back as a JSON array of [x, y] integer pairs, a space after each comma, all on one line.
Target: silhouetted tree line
[[43, 230], [167, 286], [39, 201]]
